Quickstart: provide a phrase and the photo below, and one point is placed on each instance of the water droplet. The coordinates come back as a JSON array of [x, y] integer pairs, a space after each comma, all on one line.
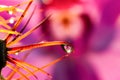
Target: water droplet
[[10, 12], [12, 20], [68, 48], [16, 53]]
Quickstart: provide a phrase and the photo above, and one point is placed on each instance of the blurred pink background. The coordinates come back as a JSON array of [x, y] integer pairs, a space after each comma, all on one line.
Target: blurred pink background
[[91, 26]]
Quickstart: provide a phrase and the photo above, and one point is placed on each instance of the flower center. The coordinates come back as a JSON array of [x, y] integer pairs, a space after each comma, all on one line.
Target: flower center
[[65, 21], [3, 54]]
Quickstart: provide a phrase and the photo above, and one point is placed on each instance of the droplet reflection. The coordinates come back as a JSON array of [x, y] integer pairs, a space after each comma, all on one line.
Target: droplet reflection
[[68, 48]]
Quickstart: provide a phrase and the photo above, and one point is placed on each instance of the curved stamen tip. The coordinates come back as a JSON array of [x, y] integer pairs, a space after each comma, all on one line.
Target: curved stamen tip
[[68, 48]]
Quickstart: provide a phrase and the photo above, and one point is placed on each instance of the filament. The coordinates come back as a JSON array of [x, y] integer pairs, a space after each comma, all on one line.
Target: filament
[[10, 66], [27, 33], [28, 47]]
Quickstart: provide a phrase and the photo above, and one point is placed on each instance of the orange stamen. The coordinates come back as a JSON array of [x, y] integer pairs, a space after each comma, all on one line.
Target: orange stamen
[[50, 64], [13, 60], [20, 19], [42, 44], [27, 33], [17, 71], [9, 31], [11, 74]]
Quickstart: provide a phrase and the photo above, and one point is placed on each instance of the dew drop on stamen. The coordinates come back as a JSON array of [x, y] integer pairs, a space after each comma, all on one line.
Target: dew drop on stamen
[[11, 20], [10, 12], [16, 53], [67, 48]]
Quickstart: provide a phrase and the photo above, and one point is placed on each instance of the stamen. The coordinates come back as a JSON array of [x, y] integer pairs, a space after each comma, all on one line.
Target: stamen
[[43, 44], [15, 61], [3, 22], [55, 61], [27, 33], [10, 9], [50, 64], [20, 19], [11, 73], [25, 24], [17, 71], [5, 25], [21, 66], [22, 16], [9, 31]]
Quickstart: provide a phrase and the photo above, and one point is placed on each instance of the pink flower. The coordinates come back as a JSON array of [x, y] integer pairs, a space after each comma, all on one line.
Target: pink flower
[[66, 23], [69, 21]]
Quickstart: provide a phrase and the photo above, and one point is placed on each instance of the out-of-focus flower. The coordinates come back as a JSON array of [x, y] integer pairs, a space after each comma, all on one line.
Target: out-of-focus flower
[[105, 59], [71, 22], [66, 23], [65, 19], [105, 64]]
